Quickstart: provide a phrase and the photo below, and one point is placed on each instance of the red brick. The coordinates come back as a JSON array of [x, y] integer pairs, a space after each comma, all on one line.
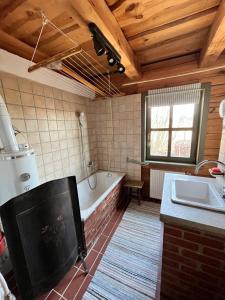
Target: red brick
[[171, 247], [214, 253], [179, 258], [204, 240], [181, 242], [170, 262], [172, 231], [197, 257], [213, 271], [198, 274]]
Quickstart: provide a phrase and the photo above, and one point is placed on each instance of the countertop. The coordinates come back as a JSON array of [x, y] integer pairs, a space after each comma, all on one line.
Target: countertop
[[197, 218]]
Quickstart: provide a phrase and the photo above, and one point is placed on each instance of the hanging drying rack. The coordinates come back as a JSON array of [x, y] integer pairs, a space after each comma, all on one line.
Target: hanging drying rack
[[76, 63]]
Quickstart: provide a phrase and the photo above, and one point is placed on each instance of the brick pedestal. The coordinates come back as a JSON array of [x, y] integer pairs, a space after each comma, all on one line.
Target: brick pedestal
[[193, 265]]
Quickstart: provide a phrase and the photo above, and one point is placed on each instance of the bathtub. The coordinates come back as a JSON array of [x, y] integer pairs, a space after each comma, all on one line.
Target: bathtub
[[89, 199]]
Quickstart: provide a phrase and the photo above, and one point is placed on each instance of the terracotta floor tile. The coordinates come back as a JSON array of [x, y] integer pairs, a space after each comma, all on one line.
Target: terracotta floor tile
[[90, 259], [105, 245], [95, 265], [100, 242], [60, 288], [74, 285], [83, 288], [107, 231], [53, 296]]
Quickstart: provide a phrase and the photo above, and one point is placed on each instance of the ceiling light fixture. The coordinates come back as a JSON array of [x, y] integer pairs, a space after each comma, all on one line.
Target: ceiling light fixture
[[120, 68], [102, 45], [99, 48], [111, 58]]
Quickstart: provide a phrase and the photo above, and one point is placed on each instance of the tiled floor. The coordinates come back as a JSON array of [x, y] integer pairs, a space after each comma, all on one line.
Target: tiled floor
[[75, 283]]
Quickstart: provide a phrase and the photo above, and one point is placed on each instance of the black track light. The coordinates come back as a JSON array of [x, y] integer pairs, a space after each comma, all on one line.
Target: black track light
[[111, 58], [99, 48], [120, 68]]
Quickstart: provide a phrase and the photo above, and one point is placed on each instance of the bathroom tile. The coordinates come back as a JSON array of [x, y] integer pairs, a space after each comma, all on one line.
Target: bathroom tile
[[59, 115], [31, 125], [33, 138], [44, 136], [29, 113], [41, 113], [19, 124], [48, 91], [52, 125], [58, 105], [15, 111], [27, 99], [43, 125], [39, 101], [51, 114], [12, 96], [49, 102]]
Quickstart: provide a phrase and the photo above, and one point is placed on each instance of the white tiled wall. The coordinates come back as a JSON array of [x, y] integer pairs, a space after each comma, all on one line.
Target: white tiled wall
[[46, 117], [121, 139]]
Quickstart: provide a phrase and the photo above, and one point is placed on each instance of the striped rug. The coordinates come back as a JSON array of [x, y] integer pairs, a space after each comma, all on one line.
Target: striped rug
[[129, 267]]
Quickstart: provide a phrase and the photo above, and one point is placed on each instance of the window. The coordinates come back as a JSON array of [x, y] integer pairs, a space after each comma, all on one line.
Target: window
[[172, 123]]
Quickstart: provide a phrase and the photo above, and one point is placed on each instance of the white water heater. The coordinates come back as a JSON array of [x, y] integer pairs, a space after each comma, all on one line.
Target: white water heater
[[18, 169]]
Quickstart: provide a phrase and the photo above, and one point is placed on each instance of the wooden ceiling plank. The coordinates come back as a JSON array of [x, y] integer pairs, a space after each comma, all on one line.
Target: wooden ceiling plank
[[186, 44], [55, 58], [157, 13], [216, 39], [83, 81], [99, 13], [5, 10], [171, 30]]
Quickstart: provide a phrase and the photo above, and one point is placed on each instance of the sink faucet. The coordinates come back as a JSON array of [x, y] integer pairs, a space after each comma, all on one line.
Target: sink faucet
[[204, 162]]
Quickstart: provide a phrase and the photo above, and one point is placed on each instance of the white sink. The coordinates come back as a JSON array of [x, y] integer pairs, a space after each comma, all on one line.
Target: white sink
[[197, 194]]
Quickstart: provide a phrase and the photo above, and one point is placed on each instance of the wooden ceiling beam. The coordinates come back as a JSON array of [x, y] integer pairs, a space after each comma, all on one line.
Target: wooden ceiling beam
[[171, 72], [13, 45], [216, 39], [99, 13]]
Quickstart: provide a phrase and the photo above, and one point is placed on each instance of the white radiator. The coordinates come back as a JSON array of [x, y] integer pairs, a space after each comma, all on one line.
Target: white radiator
[[156, 183]]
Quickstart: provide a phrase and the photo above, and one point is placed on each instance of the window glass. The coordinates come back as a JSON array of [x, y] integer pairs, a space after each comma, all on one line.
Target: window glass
[[181, 143], [160, 117], [159, 143], [183, 116]]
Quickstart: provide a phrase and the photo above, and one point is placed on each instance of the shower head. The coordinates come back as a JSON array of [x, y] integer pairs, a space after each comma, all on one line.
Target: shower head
[[80, 116]]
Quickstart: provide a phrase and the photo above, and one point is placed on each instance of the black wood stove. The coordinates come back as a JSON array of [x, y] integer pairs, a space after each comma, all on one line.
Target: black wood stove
[[44, 234]]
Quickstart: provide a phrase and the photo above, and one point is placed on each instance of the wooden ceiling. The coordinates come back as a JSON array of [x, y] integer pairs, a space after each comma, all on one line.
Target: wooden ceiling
[[144, 32]]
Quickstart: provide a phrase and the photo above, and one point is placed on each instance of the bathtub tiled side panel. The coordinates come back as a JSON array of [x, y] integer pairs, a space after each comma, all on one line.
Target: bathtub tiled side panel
[[193, 265], [95, 224]]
